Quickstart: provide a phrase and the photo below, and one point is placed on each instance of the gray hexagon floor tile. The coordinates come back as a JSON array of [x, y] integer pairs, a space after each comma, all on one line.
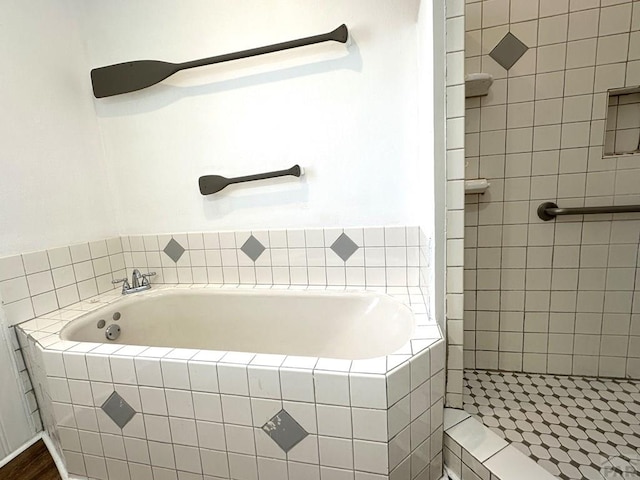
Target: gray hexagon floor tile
[[574, 427]]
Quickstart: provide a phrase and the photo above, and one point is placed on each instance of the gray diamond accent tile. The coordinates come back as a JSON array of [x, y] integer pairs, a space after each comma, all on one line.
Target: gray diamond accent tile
[[508, 51], [284, 430], [118, 410], [253, 248], [174, 250], [344, 247]]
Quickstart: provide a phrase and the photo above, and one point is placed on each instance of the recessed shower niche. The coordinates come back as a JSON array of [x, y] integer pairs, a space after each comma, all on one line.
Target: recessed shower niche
[[622, 133]]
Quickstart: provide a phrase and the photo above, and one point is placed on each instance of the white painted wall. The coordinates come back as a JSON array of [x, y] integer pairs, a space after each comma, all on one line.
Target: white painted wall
[[53, 188], [431, 153], [349, 116]]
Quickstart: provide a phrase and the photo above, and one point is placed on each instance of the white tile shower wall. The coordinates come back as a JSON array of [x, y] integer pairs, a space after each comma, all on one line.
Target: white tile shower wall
[[455, 198], [560, 296]]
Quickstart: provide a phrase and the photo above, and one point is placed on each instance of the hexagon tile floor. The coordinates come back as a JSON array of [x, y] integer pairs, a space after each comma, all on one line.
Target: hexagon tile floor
[[575, 427]]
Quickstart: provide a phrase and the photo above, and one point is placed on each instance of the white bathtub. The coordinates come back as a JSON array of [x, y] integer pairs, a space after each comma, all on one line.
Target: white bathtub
[[354, 325], [242, 383]]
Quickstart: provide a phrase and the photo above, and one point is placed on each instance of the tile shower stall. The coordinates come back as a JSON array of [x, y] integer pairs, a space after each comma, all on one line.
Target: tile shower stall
[[117, 412], [552, 311]]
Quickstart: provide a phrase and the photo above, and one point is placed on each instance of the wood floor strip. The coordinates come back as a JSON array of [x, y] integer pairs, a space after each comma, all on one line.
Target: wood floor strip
[[35, 463]]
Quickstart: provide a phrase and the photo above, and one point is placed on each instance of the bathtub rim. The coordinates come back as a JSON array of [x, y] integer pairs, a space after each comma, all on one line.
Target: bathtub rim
[[78, 326], [426, 332]]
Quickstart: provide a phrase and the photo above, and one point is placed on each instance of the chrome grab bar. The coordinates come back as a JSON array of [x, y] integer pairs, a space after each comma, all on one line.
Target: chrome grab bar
[[550, 210]]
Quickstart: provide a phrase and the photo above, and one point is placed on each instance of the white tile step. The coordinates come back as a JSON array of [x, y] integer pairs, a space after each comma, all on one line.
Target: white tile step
[[473, 452]]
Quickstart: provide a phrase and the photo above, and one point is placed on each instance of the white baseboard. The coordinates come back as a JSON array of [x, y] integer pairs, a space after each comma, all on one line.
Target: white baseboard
[[52, 451], [57, 459], [19, 450]]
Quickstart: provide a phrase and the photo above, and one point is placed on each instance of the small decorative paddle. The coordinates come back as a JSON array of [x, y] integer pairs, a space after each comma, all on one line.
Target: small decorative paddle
[[214, 183], [131, 76]]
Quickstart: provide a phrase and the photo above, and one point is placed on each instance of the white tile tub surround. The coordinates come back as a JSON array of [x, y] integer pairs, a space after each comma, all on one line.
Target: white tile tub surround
[[202, 412], [37, 283], [472, 451], [551, 297], [205, 411], [25, 382], [363, 257]]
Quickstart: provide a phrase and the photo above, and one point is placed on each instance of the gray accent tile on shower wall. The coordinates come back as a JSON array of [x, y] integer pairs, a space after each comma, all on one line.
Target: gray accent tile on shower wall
[[284, 430], [344, 247], [118, 410], [174, 250], [252, 248], [508, 51]]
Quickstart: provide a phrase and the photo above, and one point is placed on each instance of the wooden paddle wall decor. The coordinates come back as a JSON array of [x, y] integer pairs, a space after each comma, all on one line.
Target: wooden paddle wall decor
[[131, 76], [214, 183]]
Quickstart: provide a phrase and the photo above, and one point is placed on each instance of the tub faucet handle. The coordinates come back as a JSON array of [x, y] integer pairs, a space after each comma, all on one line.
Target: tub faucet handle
[[124, 282], [145, 277]]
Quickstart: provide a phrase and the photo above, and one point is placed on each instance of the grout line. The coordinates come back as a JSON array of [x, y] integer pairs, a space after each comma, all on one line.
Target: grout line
[[224, 431]]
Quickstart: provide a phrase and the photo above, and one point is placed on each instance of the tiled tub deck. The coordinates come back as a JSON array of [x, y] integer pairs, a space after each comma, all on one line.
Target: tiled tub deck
[[147, 413], [574, 427]]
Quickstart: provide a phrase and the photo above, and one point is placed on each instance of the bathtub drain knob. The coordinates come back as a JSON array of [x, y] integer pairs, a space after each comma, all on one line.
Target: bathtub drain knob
[[112, 332]]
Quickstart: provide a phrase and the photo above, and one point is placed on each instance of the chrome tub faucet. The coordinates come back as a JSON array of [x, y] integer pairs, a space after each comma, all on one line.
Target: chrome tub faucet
[[139, 282]]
